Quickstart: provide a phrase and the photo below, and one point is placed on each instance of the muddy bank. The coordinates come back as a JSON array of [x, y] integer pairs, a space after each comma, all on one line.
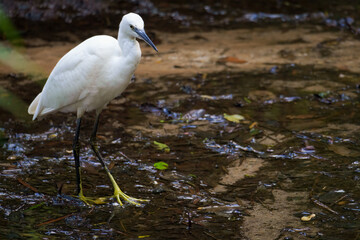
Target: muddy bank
[[259, 49]]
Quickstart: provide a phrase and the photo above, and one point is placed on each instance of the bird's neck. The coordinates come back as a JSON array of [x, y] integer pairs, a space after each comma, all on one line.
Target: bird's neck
[[129, 47]]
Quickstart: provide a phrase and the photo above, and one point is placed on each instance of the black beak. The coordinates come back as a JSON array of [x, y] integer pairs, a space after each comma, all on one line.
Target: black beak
[[143, 36]]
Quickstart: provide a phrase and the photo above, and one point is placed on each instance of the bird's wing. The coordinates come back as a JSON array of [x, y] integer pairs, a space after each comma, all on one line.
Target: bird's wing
[[75, 74]]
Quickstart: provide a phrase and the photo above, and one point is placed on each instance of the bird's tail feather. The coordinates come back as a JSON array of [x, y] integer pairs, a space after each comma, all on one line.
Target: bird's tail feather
[[33, 106]]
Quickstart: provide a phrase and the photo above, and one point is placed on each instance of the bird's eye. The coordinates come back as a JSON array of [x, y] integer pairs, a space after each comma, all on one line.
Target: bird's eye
[[132, 27]]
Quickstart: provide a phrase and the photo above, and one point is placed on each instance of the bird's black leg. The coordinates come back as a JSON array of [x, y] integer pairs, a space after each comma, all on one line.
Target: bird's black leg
[[76, 151], [117, 192], [93, 142]]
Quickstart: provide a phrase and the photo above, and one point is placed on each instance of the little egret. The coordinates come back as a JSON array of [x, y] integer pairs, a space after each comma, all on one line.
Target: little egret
[[87, 78]]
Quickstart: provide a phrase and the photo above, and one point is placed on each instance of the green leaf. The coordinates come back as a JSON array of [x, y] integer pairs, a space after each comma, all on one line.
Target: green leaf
[[161, 165], [247, 100], [254, 131], [236, 118], [162, 146]]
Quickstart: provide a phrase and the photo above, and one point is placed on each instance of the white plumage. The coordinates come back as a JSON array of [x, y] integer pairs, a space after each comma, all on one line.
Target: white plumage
[[88, 77], [92, 73]]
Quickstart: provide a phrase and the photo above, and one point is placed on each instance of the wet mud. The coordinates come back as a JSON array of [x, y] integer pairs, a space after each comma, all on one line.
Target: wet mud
[[262, 130]]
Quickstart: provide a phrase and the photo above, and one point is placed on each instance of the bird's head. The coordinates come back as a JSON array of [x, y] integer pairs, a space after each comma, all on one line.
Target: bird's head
[[133, 25]]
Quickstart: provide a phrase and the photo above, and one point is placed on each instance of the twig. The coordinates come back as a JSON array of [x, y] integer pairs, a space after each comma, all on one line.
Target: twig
[[27, 185], [210, 235], [122, 233], [339, 200], [54, 220], [320, 204], [126, 157]]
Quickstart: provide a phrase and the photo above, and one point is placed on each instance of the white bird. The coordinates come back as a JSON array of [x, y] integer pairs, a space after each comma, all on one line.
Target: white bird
[[87, 78]]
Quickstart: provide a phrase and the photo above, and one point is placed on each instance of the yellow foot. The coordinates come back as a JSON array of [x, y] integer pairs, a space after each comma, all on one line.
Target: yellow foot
[[91, 201], [118, 194]]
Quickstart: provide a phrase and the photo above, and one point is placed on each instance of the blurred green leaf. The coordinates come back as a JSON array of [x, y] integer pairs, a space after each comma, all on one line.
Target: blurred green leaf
[[13, 104], [8, 30], [161, 165], [162, 146]]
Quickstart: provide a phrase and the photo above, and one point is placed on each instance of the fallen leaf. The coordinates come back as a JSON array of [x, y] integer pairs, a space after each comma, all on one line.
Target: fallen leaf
[[53, 135], [161, 165], [247, 100], [254, 124], [144, 236], [342, 203], [236, 118], [162, 146], [308, 218]]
